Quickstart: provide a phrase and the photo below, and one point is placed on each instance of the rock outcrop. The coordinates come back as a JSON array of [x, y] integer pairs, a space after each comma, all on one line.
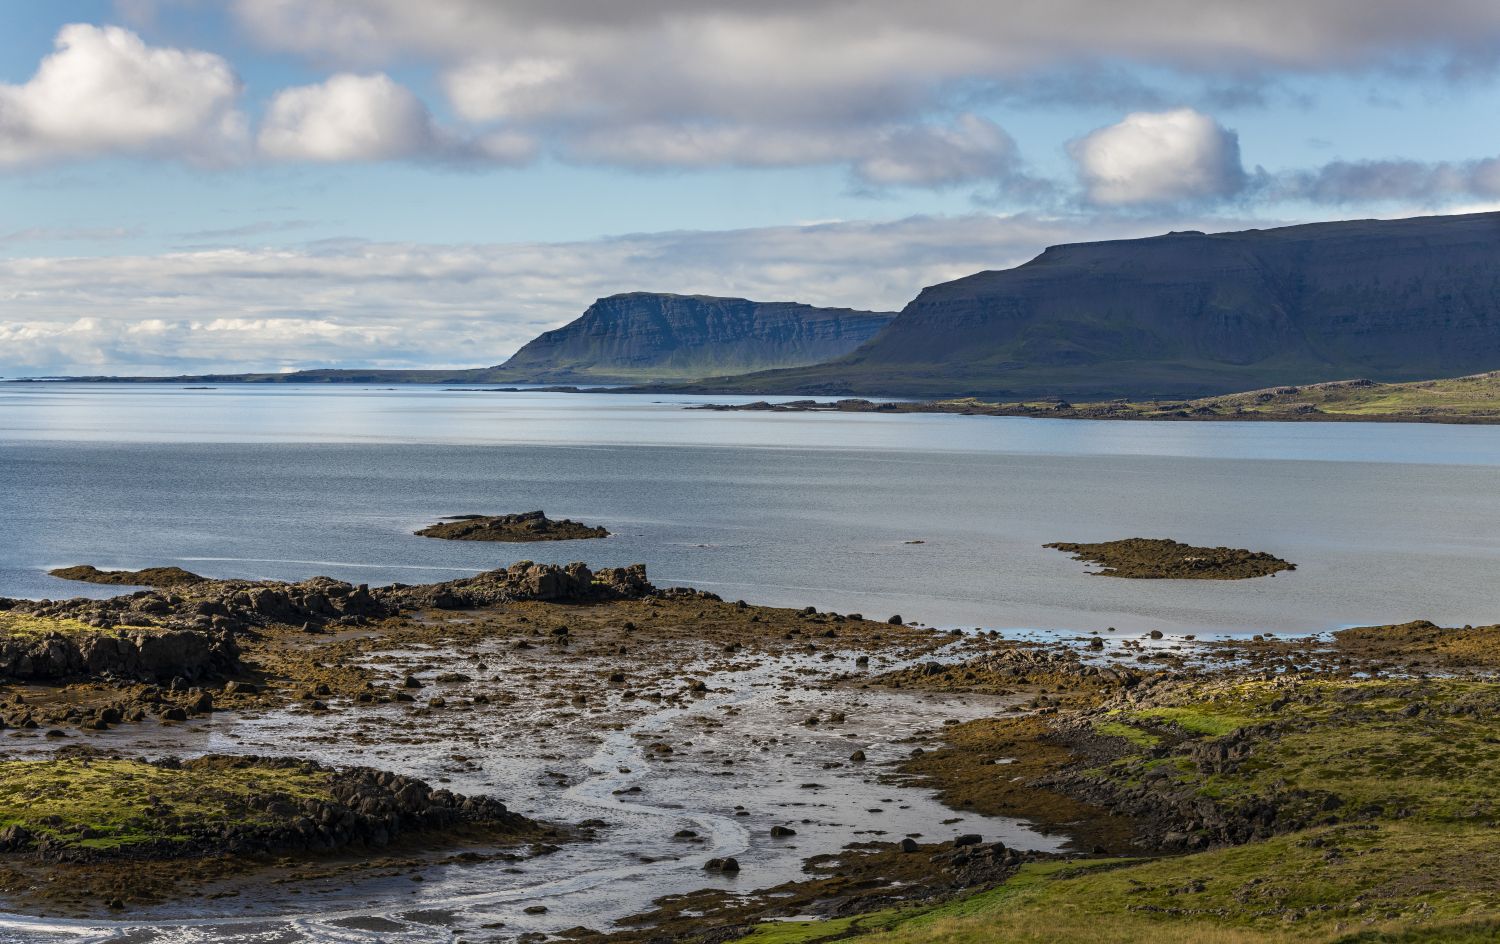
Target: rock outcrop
[[145, 655]]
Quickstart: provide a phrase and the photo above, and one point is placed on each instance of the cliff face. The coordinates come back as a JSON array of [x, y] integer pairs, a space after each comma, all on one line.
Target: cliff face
[[646, 335], [1189, 314]]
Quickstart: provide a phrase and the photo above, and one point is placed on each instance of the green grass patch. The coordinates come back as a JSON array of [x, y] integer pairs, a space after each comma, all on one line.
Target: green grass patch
[[1197, 720], [810, 932], [1399, 883], [111, 804], [1129, 732]]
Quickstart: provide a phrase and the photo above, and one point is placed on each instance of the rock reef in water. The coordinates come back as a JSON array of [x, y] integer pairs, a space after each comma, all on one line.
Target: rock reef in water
[[1161, 558], [149, 577], [526, 526]]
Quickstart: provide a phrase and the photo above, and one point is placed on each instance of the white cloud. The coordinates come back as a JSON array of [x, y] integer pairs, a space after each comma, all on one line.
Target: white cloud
[[1157, 158], [104, 91], [352, 117], [400, 305], [816, 54], [486, 91], [969, 150], [1420, 183], [347, 118]]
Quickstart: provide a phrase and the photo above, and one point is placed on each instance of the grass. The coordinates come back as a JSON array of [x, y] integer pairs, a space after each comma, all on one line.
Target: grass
[[1131, 733], [1196, 720], [1399, 882], [112, 804]]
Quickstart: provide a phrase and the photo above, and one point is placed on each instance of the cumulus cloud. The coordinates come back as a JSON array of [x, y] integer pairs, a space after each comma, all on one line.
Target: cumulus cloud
[[104, 91], [1159, 158], [352, 117], [347, 118], [401, 305]]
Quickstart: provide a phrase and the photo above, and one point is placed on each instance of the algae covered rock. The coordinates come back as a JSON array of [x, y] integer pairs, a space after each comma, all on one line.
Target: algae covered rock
[[526, 526], [1161, 558], [149, 577]]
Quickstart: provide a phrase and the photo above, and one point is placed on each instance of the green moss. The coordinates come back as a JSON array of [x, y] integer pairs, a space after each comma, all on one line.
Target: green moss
[[809, 932], [24, 624], [1196, 720], [1129, 732], [108, 804]]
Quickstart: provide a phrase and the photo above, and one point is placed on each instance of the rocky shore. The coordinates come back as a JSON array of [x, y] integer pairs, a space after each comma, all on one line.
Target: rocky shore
[[1182, 779], [518, 528]]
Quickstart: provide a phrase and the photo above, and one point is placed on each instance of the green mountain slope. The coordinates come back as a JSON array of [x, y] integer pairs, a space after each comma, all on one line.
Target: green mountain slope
[[1189, 314]]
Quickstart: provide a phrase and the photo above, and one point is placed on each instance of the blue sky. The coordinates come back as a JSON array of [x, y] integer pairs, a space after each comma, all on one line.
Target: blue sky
[[272, 184]]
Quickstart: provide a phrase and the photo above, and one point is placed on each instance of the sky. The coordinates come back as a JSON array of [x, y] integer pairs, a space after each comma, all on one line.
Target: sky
[[190, 186]]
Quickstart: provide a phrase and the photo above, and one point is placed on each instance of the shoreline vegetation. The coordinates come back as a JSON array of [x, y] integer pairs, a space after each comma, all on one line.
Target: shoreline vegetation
[[1328, 789], [1464, 400]]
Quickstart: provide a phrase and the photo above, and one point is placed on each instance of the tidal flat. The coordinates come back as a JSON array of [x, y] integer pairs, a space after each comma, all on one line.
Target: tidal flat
[[544, 752]]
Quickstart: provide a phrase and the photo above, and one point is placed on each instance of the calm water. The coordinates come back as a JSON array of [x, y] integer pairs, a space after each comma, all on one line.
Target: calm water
[[1385, 522]]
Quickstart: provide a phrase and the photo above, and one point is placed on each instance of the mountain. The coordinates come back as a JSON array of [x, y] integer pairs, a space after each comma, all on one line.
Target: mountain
[[1188, 314], [649, 335]]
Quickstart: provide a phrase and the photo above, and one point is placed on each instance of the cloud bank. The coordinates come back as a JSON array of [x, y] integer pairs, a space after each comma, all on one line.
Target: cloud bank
[[400, 305]]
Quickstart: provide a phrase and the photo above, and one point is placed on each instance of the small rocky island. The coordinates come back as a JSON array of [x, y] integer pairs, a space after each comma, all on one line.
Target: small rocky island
[[526, 526], [1164, 559], [149, 577]]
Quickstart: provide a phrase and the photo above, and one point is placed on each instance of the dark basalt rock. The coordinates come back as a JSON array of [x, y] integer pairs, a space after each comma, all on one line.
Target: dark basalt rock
[[144, 655], [526, 526]]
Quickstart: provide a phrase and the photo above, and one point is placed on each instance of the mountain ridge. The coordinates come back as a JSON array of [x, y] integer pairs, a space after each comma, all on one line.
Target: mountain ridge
[[1189, 314]]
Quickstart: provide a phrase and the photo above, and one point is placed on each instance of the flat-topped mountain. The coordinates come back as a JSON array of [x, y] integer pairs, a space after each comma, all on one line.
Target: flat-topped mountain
[[1190, 314], [634, 337], [648, 335]]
